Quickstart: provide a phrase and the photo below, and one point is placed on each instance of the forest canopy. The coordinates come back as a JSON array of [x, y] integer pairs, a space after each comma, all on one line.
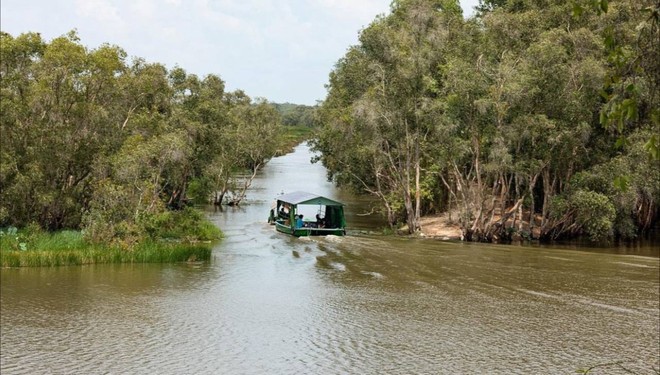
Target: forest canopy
[[92, 141], [296, 114], [532, 119]]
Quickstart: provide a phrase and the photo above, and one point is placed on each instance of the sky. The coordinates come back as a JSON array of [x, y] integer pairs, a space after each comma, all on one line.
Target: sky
[[280, 50]]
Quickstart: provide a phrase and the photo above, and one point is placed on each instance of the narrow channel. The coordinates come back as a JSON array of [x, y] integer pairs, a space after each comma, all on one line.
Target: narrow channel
[[268, 303]]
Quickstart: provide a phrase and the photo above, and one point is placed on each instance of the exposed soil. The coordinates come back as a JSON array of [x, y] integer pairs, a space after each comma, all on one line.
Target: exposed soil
[[440, 227]]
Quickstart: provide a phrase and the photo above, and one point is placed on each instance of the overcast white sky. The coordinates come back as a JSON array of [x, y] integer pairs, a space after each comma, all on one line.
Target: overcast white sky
[[281, 50]]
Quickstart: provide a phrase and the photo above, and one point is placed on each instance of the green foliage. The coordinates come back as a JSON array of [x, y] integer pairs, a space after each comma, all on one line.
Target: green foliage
[[633, 80], [594, 212], [292, 136], [499, 116], [10, 238], [33, 238], [65, 248], [297, 115], [631, 194], [91, 141], [380, 109], [199, 190], [633, 190], [150, 252], [590, 213], [188, 225]]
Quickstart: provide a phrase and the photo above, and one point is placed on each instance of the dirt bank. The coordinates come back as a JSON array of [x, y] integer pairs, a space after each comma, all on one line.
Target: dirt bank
[[440, 227]]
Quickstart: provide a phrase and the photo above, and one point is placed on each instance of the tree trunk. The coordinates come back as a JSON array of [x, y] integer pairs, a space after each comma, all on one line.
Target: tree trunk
[[478, 197], [532, 205], [418, 189], [236, 200], [548, 191]]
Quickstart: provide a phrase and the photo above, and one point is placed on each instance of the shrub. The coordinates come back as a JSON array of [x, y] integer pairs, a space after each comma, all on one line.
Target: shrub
[[188, 224], [595, 213]]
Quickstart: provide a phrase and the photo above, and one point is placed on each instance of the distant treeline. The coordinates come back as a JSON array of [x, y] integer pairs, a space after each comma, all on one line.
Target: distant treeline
[[297, 114], [532, 119], [92, 141]]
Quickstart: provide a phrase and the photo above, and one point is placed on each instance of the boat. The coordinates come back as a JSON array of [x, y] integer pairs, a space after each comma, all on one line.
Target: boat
[[329, 218]]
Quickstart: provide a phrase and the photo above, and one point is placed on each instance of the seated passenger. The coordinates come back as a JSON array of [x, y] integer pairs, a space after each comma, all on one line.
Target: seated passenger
[[320, 223], [299, 221]]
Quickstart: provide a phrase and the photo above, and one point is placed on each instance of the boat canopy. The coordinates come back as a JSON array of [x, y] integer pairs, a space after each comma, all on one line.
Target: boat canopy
[[301, 197]]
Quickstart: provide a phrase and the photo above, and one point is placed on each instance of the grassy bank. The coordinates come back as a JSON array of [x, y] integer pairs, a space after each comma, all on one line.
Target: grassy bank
[[293, 136], [30, 248]]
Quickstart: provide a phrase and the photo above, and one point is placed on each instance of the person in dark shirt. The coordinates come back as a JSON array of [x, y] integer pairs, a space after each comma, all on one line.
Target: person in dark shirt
[[320, 223]]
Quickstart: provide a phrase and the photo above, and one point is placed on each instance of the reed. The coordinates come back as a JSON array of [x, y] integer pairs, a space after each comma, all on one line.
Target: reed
[[69, 248]]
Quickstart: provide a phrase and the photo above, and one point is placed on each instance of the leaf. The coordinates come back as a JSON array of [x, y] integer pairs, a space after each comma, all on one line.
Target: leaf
[[603, 6], [620, 142], [622, 183], [629, 107], [604, 94], [653, 148], [603, 117], [577, 10], [632, 112], [609, 39]]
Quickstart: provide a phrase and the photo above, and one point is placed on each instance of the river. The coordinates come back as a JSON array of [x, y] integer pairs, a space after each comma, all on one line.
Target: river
[[268, 303]]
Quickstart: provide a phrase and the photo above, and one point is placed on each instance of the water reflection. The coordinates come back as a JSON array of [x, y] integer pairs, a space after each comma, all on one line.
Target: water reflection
[[271, 303]]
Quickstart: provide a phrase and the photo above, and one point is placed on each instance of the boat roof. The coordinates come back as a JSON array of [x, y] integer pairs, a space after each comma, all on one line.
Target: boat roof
[[301, 197]]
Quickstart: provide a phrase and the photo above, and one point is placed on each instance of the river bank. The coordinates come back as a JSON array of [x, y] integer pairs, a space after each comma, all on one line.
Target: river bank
[[68, 248], [183, 236], [270, 303], [440, 227], [445, 226]]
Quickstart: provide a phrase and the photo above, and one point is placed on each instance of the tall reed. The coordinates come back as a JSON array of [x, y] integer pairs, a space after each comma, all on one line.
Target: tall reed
[[69, 248]]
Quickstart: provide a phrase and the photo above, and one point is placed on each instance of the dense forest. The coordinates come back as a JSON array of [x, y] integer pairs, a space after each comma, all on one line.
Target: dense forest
[[297, 114], [532, 119], [92, 141]]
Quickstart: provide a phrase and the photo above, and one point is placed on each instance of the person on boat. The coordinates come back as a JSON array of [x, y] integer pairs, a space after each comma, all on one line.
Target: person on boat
[[282, 213], [299, 221], [319, 221]]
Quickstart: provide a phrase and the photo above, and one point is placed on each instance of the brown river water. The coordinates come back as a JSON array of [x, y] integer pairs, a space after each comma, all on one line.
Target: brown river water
[[268, 303]]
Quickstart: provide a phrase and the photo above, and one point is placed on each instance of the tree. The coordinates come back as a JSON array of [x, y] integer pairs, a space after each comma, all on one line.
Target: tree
[[250, 122], [392, 108], [92, 142], [496, 116], [61, 110]]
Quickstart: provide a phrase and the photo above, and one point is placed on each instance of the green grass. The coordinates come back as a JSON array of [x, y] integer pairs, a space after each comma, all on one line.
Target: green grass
[[66, 248], [170, 237], [292, 136]]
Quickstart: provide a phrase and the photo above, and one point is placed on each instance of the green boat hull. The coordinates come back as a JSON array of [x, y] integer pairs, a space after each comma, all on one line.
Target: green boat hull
[[308, 231]]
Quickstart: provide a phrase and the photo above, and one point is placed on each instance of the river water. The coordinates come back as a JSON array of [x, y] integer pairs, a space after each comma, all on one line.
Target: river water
[[268, 303]]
